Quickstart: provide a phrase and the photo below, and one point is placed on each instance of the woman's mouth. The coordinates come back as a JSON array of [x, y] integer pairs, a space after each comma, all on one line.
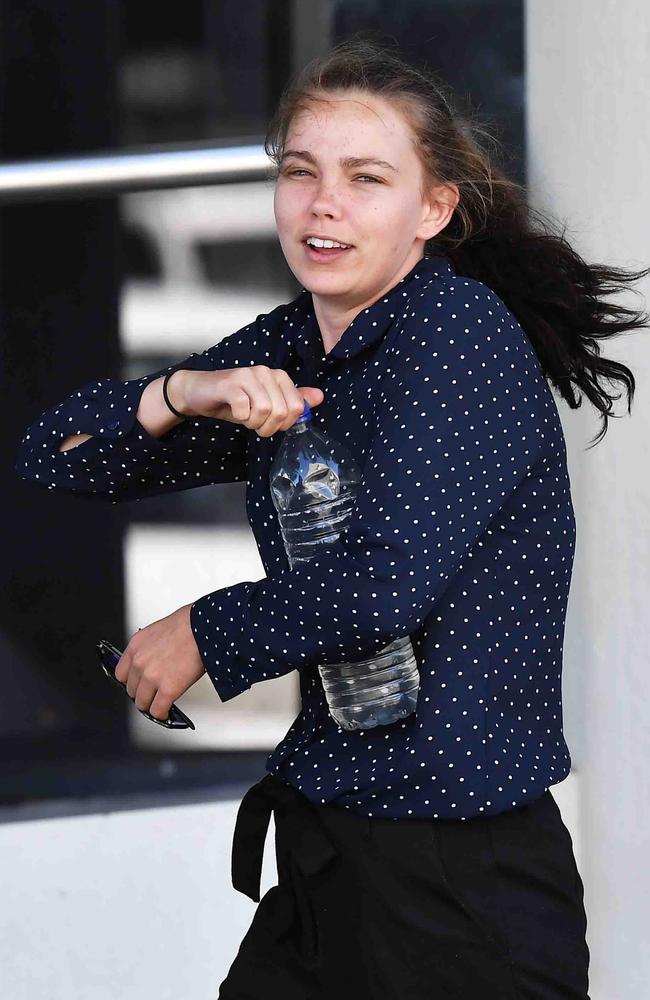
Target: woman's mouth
[[324, 254]]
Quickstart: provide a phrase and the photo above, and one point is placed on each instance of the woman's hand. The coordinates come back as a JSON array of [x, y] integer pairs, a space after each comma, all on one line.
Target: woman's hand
[[264, 399], [160, 663]]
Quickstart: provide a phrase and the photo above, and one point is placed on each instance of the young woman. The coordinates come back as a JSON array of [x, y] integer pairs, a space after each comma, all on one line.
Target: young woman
[[426, 858]]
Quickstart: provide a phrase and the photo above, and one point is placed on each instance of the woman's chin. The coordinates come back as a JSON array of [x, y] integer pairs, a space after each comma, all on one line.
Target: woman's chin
[[319, 278], [321, 285]]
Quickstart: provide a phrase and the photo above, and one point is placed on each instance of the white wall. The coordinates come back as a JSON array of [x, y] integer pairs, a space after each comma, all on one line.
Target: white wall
[[588, 73], [135, 905]]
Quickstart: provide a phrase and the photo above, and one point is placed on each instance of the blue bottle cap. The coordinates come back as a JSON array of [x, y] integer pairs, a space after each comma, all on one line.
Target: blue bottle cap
[[306, 413]]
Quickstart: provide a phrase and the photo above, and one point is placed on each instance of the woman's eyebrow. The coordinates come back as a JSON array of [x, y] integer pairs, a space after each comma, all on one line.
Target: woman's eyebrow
[[345, 161]]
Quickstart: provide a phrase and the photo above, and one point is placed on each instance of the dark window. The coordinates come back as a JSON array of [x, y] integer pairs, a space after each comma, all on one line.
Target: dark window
[[140, 255]]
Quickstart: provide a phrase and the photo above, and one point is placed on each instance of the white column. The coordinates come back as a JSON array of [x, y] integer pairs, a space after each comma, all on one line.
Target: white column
[[588, 80]]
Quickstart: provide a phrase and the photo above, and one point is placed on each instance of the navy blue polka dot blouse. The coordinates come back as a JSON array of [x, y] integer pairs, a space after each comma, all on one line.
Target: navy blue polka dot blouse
[[462, 536]]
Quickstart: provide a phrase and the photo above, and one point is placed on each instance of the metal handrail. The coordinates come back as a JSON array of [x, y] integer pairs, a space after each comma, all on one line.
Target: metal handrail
[[111, 173]]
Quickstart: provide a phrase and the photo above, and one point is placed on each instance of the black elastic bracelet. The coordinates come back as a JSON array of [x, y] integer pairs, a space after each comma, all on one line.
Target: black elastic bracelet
[[166, 397]]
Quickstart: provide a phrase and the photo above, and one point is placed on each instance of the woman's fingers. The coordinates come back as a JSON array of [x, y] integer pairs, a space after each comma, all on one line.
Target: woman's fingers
[[145, 694], [275, 401], [275, 412], [263, 399], [291, 402]]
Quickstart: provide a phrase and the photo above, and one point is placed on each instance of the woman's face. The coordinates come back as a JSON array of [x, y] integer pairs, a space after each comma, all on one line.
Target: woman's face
[[376, 208]]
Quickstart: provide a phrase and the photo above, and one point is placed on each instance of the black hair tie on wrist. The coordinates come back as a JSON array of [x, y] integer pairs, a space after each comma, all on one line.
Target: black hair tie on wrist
[[166, 397]]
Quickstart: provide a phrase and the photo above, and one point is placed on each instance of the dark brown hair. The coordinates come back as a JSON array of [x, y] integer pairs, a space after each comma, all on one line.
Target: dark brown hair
[[493, 236]]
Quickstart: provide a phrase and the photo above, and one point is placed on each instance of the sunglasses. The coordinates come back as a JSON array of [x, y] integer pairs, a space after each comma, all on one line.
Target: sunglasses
[[109, 657]]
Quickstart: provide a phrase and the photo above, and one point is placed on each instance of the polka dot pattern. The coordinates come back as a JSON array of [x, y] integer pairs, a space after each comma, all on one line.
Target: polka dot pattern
[[462, 536]]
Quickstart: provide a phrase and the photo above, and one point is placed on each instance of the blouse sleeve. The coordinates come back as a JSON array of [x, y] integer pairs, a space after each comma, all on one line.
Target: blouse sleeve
[[460, 423], [122, 461]]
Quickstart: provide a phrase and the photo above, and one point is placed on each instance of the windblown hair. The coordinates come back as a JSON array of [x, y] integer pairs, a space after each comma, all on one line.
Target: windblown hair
[[493, 236]]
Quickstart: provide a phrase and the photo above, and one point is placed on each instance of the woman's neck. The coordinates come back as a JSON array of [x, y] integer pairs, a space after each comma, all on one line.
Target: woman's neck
[[332, 323], [334, 318]]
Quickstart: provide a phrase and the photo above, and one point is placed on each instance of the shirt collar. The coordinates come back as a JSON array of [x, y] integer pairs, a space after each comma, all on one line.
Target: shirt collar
[[371, 324]]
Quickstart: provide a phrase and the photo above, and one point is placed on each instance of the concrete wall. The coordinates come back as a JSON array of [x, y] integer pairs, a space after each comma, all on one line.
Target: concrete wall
[[588, 77]]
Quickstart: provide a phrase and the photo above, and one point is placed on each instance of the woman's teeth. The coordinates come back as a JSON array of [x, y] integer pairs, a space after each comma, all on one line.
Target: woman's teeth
[[326, 244]]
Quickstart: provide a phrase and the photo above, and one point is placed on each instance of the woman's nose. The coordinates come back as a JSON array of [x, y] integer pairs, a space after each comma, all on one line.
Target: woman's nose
[[326, 199]]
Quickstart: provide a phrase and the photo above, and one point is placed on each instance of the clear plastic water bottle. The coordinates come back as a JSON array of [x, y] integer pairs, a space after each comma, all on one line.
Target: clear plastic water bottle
[[314, 480]]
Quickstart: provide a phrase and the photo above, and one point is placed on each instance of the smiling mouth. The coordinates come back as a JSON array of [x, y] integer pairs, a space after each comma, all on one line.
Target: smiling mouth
[[325, 253]]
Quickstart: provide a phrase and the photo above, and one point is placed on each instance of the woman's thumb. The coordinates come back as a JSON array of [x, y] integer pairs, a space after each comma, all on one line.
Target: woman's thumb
[[313, 395]]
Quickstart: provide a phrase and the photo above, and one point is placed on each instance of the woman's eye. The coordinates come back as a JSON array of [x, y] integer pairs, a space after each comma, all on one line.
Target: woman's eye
[[368, 177]]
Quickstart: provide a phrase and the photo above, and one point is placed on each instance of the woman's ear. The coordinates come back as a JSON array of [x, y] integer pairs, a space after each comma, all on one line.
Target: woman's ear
[[439, 208]]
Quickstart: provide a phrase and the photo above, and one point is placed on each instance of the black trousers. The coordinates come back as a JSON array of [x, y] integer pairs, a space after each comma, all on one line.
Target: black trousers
[[489, 908]]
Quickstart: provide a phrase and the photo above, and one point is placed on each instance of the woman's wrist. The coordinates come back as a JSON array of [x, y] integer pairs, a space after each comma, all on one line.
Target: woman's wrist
[[153, 413], [175, 386], [180, 396]]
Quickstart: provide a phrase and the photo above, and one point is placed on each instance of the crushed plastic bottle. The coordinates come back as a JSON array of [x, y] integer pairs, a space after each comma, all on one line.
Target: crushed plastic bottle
[[314, 480]]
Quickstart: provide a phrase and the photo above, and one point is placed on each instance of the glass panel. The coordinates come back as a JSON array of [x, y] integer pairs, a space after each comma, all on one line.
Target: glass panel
[[167, 566], [199, 73], [199, 263], [476, 46]]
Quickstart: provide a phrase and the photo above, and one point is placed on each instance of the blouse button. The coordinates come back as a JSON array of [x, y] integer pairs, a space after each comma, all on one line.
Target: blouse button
[[113, 425]]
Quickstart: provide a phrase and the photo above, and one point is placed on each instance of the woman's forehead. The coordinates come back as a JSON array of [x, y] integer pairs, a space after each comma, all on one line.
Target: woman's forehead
[[348, 104], [362, 116]]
